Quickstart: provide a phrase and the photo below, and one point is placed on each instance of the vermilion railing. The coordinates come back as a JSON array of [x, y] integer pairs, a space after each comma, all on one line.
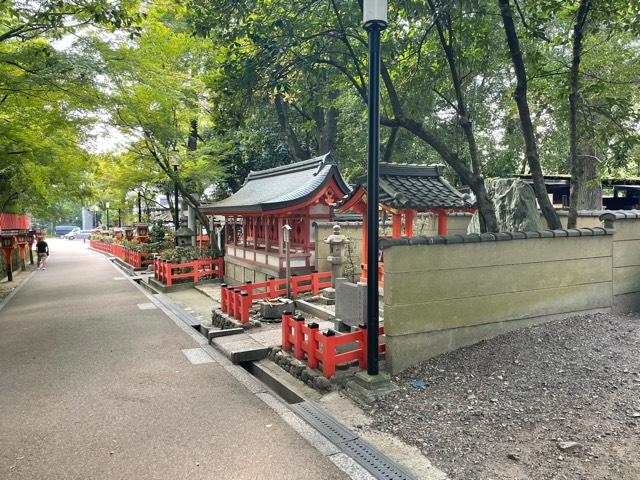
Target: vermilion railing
[[197, 270], [236, 301], [12, 221], [321, 348], [132, 257]]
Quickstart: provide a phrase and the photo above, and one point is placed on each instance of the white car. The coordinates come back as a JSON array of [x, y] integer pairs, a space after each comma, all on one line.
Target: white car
[[72, 234]]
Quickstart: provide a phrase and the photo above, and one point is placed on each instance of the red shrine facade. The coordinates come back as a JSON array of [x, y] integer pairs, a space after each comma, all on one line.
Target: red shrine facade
[[254, 218], [405, 190]]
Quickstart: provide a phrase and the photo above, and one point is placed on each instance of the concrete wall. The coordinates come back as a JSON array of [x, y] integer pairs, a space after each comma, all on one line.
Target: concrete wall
[[444, 293], [237, 272], [626, 259]]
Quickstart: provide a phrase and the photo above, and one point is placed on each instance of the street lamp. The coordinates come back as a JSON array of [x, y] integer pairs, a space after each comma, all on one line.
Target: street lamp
[[175, 161], [374, 14], [107, 207], [139, 206]]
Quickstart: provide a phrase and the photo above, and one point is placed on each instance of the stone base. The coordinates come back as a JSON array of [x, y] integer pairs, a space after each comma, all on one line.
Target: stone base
[[366, 389], [223, 321], [273, 310]]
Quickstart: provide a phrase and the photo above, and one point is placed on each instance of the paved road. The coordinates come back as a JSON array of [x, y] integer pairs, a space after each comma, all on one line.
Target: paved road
[[93, 387]]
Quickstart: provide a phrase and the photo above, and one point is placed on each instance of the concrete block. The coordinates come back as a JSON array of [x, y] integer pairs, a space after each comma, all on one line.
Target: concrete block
[[351, 302], [216, 333], [240, 348]]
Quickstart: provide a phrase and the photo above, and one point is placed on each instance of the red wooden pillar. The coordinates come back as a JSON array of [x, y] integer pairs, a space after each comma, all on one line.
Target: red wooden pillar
[[442, 222], [267, 233], [396, 225], [306, 226], [409, 215]]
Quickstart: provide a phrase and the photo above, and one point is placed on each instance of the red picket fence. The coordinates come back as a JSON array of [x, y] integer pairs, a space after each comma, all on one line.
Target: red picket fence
[[12, 221], [132, 257], [138, 259], [237, 301], [321, 348], [199, 269]]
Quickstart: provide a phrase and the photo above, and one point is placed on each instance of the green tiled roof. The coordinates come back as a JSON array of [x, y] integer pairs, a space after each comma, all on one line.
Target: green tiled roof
[[281, 187]]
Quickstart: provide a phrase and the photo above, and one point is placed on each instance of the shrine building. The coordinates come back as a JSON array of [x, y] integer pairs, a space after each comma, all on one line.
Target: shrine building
[[404, 191], [297, 195]]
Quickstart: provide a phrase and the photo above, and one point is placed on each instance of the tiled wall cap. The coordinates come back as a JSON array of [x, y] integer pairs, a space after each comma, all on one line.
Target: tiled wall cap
[[494, 237], [581, 213], [454, 239], [500, 236], [619, 215]]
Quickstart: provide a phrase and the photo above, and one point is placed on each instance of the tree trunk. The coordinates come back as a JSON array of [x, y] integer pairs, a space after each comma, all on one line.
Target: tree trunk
[[388, 149], [486, 209], [520, 97], [295, 149], [192, 141], [577, 162]]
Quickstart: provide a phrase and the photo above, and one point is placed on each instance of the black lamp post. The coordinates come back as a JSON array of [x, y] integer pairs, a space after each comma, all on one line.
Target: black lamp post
[[107, 207], [176, 162], [375, 20], [139, 206]]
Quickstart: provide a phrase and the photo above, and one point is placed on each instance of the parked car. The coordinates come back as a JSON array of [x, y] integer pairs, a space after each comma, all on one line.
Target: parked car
[[62, 230], [75, 233]]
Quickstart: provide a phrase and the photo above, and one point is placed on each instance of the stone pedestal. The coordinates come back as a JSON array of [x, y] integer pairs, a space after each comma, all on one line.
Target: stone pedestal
[[366, 389], [328, 296]]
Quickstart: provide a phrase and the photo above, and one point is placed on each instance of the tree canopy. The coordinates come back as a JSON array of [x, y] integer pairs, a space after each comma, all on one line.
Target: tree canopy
[[230, 86]]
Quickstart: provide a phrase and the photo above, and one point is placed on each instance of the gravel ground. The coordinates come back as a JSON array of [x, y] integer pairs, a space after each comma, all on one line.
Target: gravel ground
[[555, 401]]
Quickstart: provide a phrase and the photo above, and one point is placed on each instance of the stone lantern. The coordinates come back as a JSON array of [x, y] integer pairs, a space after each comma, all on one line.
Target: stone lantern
[[337, 244], [128, 233], [184, 236], [142, 231]]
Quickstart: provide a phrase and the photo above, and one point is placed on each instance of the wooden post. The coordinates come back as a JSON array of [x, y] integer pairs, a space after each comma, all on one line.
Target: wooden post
[[442, 222], [409, 215], [396, 225]]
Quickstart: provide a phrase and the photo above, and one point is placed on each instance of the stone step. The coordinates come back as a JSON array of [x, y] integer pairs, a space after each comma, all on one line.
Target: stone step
[[240, 348]]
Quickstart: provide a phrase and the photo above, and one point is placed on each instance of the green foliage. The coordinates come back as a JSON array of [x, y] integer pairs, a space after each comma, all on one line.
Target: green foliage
[[158, 233]]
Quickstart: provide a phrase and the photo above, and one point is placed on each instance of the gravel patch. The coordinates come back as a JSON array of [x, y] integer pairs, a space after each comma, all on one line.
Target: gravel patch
[[555, 401]]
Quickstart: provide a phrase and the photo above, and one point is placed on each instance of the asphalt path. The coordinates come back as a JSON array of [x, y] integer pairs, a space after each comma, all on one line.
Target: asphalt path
[[94, 385]]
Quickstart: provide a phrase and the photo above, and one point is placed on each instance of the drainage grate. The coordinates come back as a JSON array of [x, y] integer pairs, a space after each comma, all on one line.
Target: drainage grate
[[368, 457], [373, 461], [323, 423]]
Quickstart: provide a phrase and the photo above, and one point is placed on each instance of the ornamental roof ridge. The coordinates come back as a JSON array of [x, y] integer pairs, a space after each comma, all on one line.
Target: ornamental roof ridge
[[315, 162]]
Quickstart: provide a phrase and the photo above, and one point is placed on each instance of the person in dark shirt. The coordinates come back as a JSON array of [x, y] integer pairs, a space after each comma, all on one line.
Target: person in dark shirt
[[42, 248]]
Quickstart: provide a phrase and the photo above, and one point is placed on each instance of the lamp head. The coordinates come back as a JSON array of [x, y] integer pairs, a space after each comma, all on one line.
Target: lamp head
[[106, 204], [286, 230], [374, 12], [175, 158]]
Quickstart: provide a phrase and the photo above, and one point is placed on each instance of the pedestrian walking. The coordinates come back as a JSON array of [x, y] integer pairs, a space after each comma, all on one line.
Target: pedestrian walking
[[42, 248]]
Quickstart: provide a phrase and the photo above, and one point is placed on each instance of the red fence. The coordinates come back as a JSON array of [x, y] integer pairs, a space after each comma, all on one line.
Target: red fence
[[11, 221], [321, 348], [197, 270], [132, 257], [237, 301]]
